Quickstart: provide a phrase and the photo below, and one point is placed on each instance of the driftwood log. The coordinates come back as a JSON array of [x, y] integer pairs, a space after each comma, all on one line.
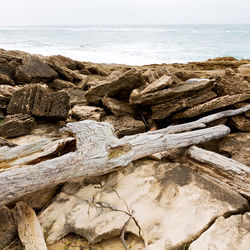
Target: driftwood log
[[99, 151], [221, 169], [28, 227]]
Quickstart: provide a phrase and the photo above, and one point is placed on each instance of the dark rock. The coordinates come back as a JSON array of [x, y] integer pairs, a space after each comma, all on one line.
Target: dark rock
[[120, 86], [76, 96], [58, 84], [118, 108], [241, 123], [125, 125], [98, 70], [4, 79], [38, 100], [4, 142], [34, 70], [82, 112], [6, 68], [7, 227], [17, 125]]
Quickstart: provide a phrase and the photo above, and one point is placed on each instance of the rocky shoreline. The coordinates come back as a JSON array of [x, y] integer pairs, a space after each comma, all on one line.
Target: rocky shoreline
[[195, 204]]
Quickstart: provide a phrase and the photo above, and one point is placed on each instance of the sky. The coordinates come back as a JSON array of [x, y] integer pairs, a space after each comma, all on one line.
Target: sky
[[123, 12]]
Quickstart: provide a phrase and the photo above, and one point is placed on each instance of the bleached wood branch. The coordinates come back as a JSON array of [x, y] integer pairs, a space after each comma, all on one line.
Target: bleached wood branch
[[98, 152], [28, 227], [221, 169]]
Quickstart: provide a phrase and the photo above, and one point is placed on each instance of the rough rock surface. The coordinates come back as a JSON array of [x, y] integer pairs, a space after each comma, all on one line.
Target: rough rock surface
[[6, 68], [166, 109], [17, 125], [6, 93], [214, 104], [82, 112], [40, 101], [153, 98], [183, 205], [152, 74], [4, 142], [58, 84], [125, 125], [244, 71], [240, 122], [34, 70], [121, 86], [226, 234], [7, 227], [76, 96], [232, 84], [4, 79], [118, 108]]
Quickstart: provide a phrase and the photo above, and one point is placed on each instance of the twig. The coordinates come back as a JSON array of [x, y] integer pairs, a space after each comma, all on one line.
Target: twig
[[124, 230]]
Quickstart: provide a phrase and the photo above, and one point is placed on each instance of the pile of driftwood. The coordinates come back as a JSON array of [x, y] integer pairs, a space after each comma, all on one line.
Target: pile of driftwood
[[98, 151]]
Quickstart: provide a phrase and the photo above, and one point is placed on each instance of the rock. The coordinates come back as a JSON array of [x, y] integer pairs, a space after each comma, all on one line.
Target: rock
[[6, 93], [244, 71], [62, 61], [125, 125], [76, 96], [153, 74], [7, 227], [34, 70], [153, 98], [196, 80], [98, 70], [4, 79], [121, 86], [219, 102], [232, 84], [171, 204], [226, 234], [83, 83], [241, 123], [82, 112], [59, 84], [6, 68], [4, 142], [118, 108], [17, 125], [38, 100], [163, 110]]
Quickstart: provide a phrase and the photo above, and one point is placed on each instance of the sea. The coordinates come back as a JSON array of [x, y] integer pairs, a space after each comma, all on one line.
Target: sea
[[134, 45]]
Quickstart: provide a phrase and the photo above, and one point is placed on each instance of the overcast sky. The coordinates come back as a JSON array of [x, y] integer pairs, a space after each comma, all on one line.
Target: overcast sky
[[111, 12]]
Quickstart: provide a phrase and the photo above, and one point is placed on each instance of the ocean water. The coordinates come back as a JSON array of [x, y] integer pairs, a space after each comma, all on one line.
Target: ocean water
[[134, 45]]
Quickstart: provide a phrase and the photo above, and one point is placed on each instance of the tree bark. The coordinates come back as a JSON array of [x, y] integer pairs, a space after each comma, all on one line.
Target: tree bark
[[221, 169], [28, 227]]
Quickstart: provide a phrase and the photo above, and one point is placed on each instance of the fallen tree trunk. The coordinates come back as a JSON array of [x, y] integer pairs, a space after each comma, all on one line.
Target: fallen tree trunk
[[221, 169], [28, 227], [98, 152]]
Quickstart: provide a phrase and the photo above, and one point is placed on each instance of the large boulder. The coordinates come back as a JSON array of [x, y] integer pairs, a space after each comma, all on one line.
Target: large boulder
[[33, 70], [17, 125], [120, 86], [226, 234], [170, 205], [7, 227], [6, 68], [38, 100], [125, 125]]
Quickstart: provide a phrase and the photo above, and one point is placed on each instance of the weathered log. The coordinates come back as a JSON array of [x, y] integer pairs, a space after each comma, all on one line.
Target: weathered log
[[28, 227], [98, 152], [221, 169]]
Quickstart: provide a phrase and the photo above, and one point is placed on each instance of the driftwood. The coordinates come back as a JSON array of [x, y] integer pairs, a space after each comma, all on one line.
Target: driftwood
[[99, 151], [28, 227], [221, 169]]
